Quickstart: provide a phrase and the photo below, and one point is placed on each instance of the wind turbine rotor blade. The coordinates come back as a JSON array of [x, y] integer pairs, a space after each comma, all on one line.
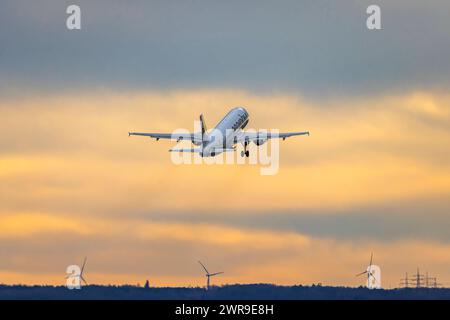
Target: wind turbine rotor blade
[[84, 263], [203, 267], [215, 274], [81, 277], [371, 256], [360, 274]]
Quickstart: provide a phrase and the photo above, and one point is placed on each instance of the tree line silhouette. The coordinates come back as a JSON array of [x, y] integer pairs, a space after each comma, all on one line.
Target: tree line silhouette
[[226, 292]]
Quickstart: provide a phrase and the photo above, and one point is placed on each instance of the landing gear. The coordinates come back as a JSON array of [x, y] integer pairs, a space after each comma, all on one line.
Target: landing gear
[[245, 152]]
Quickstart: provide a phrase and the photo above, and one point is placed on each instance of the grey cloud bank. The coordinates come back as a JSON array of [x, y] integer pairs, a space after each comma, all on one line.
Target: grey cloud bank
[[421, 219], [312, 47]]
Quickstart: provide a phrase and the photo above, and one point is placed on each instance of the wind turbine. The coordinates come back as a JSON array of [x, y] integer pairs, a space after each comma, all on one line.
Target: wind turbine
[[75, 275], [368, 272], [208, 275]]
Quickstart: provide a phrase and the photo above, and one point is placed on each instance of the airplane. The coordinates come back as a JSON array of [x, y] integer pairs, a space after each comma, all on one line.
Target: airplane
[[224, 137]]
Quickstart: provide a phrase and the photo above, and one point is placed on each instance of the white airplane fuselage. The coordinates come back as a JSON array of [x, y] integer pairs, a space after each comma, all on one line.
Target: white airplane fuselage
[[222, 137]]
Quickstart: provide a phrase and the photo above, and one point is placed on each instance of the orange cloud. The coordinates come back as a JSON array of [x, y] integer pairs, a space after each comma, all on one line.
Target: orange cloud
[[361, 151], [67, 166], [219, 235], [30, 224]]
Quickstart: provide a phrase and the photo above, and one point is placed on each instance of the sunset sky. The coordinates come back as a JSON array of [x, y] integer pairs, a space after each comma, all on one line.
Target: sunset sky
[[374, 176]]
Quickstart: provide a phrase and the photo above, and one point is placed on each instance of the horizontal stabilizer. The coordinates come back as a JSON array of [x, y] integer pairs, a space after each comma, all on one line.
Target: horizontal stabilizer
[[185, 150]]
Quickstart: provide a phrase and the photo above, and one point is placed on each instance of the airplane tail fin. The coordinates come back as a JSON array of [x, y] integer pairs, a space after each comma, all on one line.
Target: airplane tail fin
[[202, 122]]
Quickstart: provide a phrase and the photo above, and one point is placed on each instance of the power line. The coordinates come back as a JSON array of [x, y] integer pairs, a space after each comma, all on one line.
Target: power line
[[419, 280]]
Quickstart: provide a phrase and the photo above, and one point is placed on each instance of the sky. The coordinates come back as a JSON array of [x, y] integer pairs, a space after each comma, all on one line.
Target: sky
[[374, 176]]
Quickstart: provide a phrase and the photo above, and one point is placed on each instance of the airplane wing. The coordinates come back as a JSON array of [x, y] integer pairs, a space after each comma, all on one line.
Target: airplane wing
[[254, 136], [198, 150], [171, 136]]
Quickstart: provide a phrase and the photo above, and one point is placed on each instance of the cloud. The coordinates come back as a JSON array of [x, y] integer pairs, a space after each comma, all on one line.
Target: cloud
[[317, 48], [371, 178], [30, 224], [171, 258], [72, 153], [424, 219], [220, 235], [374, 176]]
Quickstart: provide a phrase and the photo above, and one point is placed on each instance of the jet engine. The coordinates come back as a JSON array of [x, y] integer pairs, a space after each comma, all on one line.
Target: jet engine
[[260, 142]]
